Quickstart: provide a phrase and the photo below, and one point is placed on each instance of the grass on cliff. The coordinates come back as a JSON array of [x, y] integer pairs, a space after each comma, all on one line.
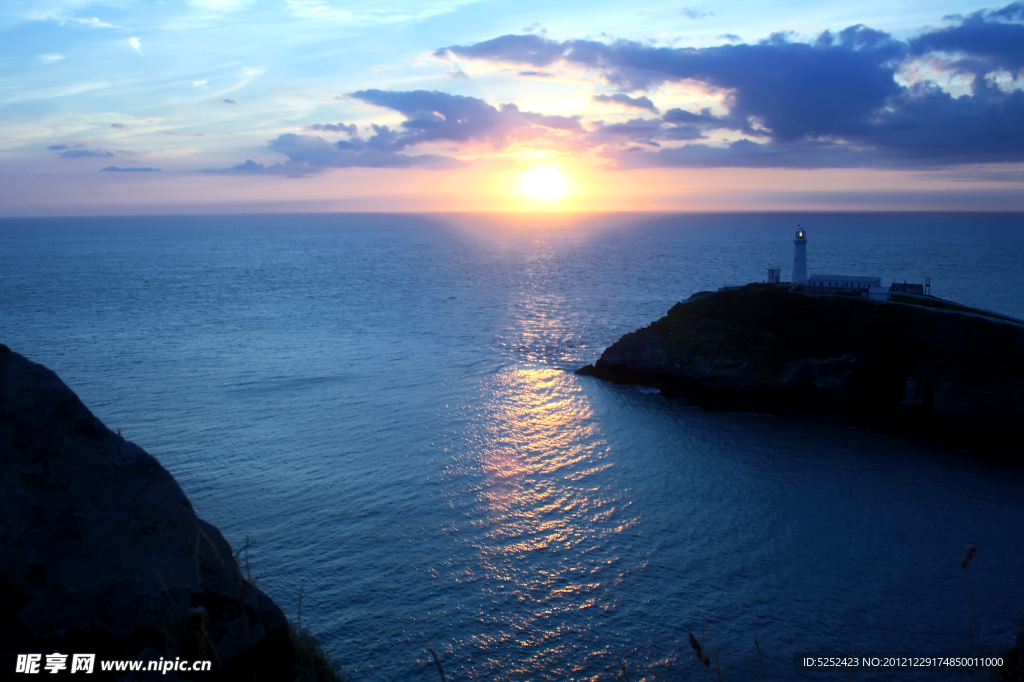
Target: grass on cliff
[[312, 664]]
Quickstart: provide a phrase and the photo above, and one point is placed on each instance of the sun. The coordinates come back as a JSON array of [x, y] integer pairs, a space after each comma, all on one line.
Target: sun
[[543, 183]]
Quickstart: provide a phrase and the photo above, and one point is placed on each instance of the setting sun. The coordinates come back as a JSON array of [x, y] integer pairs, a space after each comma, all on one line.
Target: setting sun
[[543, 183]]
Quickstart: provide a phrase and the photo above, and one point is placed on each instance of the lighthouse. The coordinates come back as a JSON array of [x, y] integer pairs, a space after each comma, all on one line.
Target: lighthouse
[[800, 258], [828, 285]]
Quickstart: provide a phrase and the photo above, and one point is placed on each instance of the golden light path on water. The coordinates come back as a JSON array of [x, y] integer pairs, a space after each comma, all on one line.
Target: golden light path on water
[[547, 515], [545, 526]]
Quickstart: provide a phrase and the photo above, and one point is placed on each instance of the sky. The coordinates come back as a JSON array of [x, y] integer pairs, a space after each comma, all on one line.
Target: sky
[[215, 106]]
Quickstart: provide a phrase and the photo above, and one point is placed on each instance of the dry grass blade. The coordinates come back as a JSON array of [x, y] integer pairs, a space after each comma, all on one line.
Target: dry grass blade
[[437, 662], [969, 552], [241, 556], [756, 671], [696, 645], [622, 666], [761, 658]]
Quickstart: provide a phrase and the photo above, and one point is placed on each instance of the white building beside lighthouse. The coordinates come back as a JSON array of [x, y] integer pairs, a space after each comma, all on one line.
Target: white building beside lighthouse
[[854, 284]]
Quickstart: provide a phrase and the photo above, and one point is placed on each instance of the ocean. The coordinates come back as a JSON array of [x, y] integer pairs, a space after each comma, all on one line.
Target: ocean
[[382, 409]]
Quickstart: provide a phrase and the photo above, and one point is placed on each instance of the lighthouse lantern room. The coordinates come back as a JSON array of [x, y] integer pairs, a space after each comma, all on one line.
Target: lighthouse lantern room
[[800, 258]]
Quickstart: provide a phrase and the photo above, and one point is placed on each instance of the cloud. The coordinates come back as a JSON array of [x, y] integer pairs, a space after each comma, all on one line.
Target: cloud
[[119, 126], [690, 13], [229, 101], [458, 73], [849, 98], [78, 152], [350, 129], [430, 117], [741, 153], [86, 153], [833, 102], [135, 44], [627, 101], [63, 17], [930, 127], [704, 118], [923, 131], [532, 49], [250, 167], [433, 116], [369, 14], [308, 154], [317, 152], [220, 6], [676, 125], [93, 22], [985, 40], [50, 58], [637, 130], [247, 75], [796, 88], [1012, 12], [1011, 173], [131, 169]]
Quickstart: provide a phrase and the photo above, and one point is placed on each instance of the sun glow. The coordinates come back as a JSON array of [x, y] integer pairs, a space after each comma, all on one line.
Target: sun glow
[[543, 183]]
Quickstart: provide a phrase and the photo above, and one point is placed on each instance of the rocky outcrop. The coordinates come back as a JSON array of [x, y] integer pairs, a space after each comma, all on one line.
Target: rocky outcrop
[[101, 552], [941, 373]]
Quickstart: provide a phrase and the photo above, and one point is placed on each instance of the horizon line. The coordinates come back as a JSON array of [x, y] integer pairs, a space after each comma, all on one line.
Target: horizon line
[[548, 213]]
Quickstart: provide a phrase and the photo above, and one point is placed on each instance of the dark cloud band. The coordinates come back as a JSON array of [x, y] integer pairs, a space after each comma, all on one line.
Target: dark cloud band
[[836, 102], [431, 116]]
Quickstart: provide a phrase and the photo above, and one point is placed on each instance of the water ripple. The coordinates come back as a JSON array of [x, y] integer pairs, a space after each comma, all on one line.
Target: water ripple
[[385, 406]]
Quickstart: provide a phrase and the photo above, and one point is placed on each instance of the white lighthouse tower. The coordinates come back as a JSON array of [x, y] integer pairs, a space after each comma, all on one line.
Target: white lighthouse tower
[[800, 258]]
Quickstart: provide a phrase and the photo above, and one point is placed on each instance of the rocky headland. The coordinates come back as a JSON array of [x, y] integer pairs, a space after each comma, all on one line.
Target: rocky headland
[[101, 552], [923, 367]]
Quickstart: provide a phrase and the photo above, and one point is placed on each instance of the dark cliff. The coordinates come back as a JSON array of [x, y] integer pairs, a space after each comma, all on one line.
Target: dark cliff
[[101, 552], [935, 372]]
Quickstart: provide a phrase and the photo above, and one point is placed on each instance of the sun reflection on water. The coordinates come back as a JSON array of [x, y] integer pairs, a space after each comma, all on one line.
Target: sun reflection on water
[[544, 544]]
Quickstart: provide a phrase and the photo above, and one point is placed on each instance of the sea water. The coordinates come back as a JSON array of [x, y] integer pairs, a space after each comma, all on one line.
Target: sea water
[[382, 409]]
